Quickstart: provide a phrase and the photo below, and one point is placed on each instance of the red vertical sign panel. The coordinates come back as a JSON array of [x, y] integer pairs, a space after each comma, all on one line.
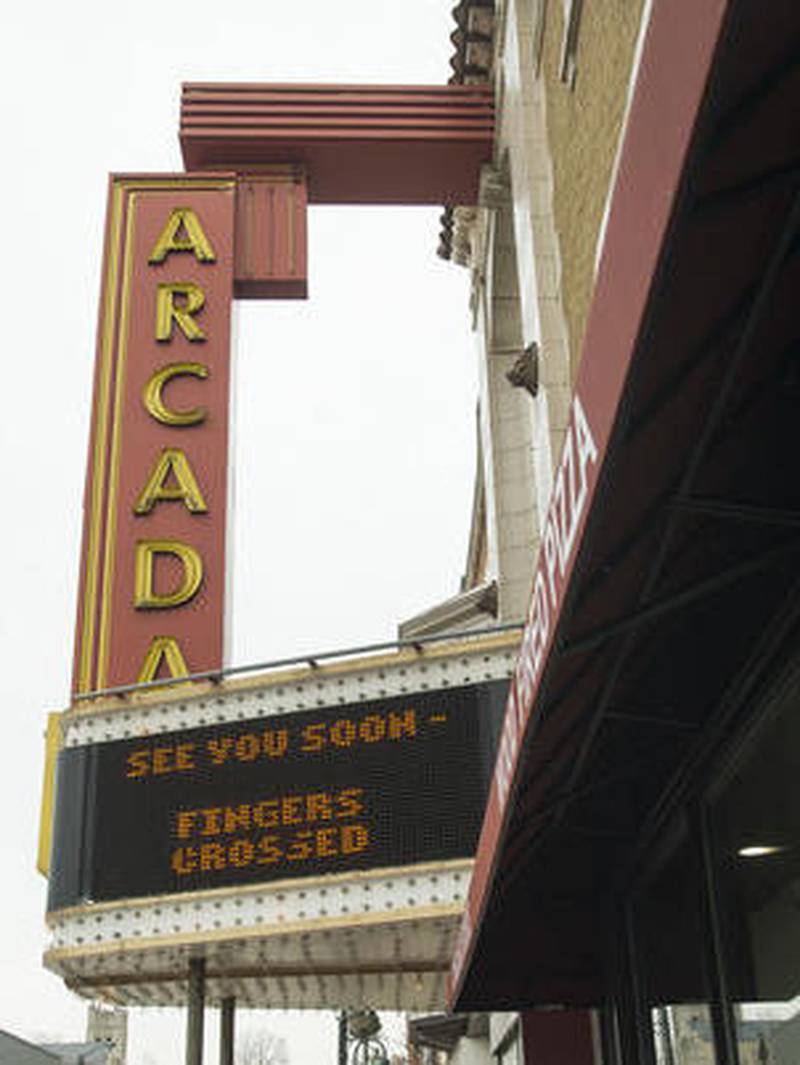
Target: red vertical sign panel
[[152, 589]]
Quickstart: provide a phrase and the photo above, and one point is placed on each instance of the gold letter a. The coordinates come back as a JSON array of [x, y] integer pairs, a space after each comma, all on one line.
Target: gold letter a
[[194, 238], [167, 650]]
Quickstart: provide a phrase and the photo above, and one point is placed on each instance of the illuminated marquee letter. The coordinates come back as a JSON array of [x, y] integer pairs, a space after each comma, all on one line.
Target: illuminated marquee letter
[[154, 400], [194, 238], [144, 596], [173, 462], [167, 310], [163, 650]]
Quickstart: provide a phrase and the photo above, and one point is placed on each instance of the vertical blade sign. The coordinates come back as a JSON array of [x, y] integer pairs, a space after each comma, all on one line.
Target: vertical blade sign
[[151, 600]]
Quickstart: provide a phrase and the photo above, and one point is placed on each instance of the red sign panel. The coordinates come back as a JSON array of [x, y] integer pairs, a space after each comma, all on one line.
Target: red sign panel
[[153, 569]]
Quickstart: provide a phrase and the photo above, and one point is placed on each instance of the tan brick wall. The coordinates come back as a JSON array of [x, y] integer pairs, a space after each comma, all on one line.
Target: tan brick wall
[[583, 126]]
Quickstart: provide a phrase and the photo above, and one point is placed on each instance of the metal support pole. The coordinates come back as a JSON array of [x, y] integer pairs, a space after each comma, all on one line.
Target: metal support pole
[[637, 1031], [723, 1021], [194, 1013], [226, 1029], [342, 1059]]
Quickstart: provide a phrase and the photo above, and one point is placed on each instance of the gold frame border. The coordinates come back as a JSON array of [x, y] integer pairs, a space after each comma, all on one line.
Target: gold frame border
[[98, 575]]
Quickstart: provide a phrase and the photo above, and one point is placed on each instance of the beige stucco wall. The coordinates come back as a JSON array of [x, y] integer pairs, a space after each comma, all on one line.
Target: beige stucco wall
[[583, 125], [533, 255]]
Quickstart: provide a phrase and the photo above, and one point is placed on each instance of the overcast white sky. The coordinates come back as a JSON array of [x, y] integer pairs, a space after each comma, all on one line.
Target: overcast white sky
[[354, 425]]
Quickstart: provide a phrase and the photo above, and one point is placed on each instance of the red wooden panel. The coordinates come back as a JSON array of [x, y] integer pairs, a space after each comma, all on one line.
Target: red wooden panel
[[271, 246]]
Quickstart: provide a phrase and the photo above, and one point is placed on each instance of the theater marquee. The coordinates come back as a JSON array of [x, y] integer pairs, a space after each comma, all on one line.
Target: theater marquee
[[309, 831], [392, 782]]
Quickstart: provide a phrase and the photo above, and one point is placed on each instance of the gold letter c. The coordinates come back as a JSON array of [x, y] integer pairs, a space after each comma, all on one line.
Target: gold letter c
[[154, 400]]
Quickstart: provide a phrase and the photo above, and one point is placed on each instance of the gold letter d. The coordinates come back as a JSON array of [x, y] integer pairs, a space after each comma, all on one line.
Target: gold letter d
[[144, 596]]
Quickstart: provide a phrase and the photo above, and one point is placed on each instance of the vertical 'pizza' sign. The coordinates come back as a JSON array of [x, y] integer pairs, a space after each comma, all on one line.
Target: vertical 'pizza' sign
[[152, 589]]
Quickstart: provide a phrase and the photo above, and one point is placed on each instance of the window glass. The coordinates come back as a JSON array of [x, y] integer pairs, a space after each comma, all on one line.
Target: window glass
[[671, 961], [756, 826], [683, 1034], [509, 1052]]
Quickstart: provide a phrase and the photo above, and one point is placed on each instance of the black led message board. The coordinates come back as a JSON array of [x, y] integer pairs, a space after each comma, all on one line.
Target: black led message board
[[393, 782]]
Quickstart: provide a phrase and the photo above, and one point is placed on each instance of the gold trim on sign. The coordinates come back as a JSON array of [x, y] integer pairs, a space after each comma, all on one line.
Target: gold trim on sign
[[103, 647], [167, 185], [91, 561], [53, 743]]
